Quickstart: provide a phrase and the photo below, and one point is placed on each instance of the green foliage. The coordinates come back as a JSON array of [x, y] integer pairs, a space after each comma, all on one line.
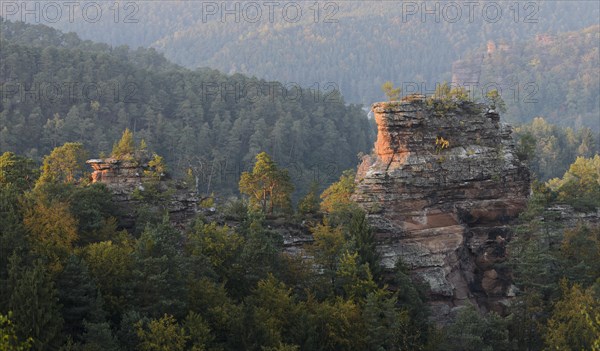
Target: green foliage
[[17, 171], [554, 79], [52, 231], [99, 337], [421, 53], [226, 284], [158, 169], [124, 148], [157, 278], [272, 312], [526, 147], [543, 254], [211, 301], [549, 150], [207, 203], [268, 187], [198, 330], [580, 250], [173, 110], [353, 278], [95, 212], [574, 322], [219, 244], [411, 298], [389, 328], [78, 296], [442, 91], [34, 303], [235, 209], [362, 239], [327, 249], [580, 186], [334, 325], [110, 264], [65, 164], [393, 94], [258, 257], [337, 196], [459, 94], [309, 204], [8, 336], [17, 175], [473, 332], [163, 334], [446, 99], [128, 327]]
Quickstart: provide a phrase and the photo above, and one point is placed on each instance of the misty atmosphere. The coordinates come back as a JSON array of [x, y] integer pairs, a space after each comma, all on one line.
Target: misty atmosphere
[[299, 175]]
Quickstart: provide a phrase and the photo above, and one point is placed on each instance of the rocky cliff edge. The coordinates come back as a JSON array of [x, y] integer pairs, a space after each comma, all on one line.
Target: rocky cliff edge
[[441, 188]]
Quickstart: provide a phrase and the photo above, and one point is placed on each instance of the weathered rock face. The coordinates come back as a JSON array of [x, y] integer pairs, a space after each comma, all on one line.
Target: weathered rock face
[[444, 209], [121, 177], [124, 177]]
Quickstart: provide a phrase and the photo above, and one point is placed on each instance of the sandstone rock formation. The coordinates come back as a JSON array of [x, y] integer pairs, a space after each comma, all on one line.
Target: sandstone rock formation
[[124, 176], [121, 177], [440, 190]]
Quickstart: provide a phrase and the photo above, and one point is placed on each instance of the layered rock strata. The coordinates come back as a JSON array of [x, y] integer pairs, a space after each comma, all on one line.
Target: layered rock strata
[[124, 176], [440, 190]]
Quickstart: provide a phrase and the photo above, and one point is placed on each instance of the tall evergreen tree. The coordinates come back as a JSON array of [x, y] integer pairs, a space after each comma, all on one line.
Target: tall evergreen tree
[[35, 306], [78, 297]]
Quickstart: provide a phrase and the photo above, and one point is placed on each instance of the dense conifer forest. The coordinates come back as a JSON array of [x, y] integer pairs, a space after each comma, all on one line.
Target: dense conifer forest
[[266, 158]]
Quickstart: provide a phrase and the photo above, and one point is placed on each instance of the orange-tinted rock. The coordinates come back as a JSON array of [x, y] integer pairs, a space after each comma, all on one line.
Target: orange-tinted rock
[[444, 211], [122, 177]]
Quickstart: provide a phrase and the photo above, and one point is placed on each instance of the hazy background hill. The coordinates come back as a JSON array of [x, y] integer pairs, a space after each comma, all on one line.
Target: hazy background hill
[[353, 44], [555, 76], [57, 88]]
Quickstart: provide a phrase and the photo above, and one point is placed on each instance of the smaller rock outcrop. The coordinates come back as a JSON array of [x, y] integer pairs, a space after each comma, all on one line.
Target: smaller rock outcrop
[[129, 176], [121, 177]]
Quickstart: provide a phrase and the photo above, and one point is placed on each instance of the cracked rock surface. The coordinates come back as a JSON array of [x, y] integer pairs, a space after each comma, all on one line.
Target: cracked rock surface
[[444, 210]]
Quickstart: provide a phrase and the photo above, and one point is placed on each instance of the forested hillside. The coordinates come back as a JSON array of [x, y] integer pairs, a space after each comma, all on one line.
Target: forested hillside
[[226, 212], [549, 150], [57, 88], [71, 280], [355, 44], [554, 76]]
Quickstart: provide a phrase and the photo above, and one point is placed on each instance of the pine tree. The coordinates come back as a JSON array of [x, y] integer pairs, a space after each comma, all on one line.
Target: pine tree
[[309, 204], [267, 186], [337, 196], [158, 281], [34, 302], [78, 296], [99, 337], [393, 94], [125, 147], [362, 237]]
